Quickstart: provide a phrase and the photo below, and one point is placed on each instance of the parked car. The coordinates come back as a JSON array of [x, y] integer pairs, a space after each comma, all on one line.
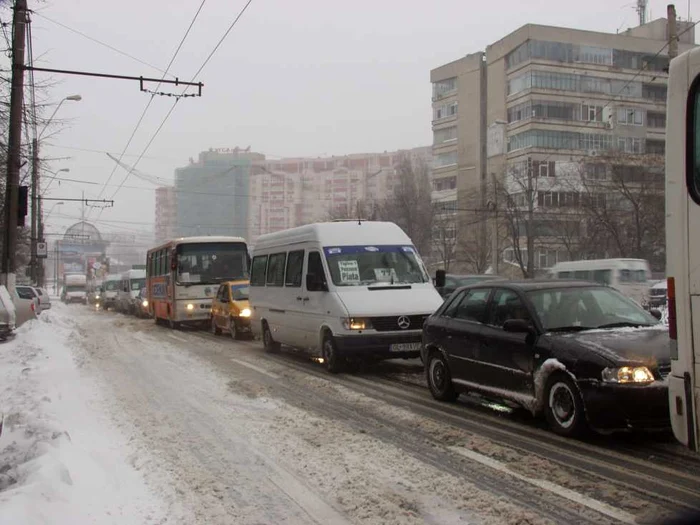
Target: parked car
[[8, 315], [452, 282], [26, 305], [657, 294], [230, 310], [44, 299], [581, 353], [25, 292]]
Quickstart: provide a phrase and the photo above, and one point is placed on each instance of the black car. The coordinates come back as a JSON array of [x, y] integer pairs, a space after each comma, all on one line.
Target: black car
[[452, 282], [581, 353]]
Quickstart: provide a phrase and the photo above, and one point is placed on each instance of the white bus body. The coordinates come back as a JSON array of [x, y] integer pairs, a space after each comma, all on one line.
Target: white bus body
[[360, 285], [629, 276], [183, 276], [682, 247], [131, 283]]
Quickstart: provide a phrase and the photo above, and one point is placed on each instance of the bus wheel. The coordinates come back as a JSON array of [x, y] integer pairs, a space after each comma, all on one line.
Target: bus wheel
[[334, 362], [175, 325]]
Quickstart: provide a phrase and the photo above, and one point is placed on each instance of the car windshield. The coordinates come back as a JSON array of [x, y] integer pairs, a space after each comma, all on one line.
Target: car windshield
[[137, 284], [580, 308], [75, 289], [111, 285], [240, 292], [24, 293], [368, 265], [215, 262]]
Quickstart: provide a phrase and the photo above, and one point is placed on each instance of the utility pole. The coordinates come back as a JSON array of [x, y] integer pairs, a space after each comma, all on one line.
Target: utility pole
[[35, 206], [529, 223], [672, 31], [14, 146]]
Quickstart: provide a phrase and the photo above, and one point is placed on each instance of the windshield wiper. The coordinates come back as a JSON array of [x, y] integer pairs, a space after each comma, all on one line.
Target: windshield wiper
[[623, 324], [570, 329]]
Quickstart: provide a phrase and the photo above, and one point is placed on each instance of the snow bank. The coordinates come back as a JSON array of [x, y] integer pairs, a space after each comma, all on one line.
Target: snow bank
[[61, 459]]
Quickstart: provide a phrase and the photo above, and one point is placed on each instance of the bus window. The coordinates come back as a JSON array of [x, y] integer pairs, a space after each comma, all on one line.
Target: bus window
[[602, 276], [693, 176], [583, 275], [564, 275], [625, 276]]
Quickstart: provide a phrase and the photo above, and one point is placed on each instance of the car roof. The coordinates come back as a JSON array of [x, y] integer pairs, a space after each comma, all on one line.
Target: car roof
[[527, 285]]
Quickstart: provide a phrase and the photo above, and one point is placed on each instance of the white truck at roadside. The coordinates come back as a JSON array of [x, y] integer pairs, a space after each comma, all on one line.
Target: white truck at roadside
[[76, 288]]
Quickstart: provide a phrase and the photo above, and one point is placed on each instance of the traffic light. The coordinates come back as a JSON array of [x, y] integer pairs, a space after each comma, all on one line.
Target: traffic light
[[22, 205]]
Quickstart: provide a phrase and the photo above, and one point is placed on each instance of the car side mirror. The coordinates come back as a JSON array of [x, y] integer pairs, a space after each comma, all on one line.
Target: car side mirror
[[517, 326], [440, 279], [656, 313]]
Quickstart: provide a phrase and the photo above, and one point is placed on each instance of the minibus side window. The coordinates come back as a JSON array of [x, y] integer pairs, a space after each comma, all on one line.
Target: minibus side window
[[295, 265], [259, 268]]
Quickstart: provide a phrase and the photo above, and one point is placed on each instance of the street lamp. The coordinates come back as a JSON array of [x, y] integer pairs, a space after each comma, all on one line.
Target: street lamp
[[55, 174], [37, 269], [74, 98], [52, 207]]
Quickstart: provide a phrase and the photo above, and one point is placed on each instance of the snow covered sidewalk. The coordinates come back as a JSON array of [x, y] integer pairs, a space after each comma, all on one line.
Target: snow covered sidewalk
[[62, 460]]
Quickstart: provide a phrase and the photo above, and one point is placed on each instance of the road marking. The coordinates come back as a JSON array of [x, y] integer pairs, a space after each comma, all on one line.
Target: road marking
[[256, 368], [177, 337], [569, 494]]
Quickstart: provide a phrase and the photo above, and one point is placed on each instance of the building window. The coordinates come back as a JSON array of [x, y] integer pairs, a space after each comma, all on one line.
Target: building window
[[444, 111], [654, 92], [630, 116], [656, 147], [656, 120], [443, 87], [448, 207], [445, 159], [591, 113], [440, 136], [550, 139], [630, 145], [596, 171], [448, 183]]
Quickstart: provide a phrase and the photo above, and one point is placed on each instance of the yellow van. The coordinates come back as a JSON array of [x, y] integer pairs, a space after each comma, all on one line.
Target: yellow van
[[230, 311]]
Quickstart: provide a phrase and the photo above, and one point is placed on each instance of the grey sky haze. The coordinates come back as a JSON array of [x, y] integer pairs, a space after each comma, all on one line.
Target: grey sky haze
[[294, 78]]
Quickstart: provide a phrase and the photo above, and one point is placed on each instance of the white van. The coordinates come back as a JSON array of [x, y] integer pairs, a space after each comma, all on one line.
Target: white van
[[110, 288], [629, 276], [341, 290], [131, 283]]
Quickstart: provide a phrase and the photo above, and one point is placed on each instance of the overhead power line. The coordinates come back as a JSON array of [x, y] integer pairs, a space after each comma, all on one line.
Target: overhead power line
[[150, 101], [172, 108]]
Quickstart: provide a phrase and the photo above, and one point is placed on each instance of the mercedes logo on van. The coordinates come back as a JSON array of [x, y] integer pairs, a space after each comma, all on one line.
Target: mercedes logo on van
[[404, 322]]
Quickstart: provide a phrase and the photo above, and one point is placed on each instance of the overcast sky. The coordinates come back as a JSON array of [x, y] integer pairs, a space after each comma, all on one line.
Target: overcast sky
[[293, 78]]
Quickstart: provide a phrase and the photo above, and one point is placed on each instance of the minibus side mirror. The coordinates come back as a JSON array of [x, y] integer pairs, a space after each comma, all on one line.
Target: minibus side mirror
[[440, 278]]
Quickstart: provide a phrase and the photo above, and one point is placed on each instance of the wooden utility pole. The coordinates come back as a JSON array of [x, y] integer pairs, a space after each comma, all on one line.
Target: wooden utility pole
[[672, 31], [14, 145], [35, 207]]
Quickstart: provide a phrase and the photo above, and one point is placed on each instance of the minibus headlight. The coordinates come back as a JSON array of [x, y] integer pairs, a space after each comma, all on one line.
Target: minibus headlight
[[145, 303], [190, 307], [356, 323], [245, 312]]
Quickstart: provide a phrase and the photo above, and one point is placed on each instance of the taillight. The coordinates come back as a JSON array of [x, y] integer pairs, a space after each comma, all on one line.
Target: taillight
[[33, 307], [671, 299]]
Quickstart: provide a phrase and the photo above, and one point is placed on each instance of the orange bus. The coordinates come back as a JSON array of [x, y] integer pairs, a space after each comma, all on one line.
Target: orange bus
[[183, 275]]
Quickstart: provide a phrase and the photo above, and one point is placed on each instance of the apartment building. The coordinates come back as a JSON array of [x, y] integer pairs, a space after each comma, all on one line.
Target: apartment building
[[166, 213], [211, 194], [547, 102], [293, 191]]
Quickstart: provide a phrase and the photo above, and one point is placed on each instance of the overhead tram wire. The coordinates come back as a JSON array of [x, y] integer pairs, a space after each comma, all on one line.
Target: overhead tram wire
[[95, 40], [150, 100], [172, 108]]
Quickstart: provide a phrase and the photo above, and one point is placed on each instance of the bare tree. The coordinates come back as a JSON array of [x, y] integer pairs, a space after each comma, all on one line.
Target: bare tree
[[410, 203], [444, 241], [476, 223]]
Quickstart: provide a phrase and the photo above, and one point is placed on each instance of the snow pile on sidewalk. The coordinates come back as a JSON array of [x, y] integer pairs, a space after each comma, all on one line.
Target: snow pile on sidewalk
[[61, 458]]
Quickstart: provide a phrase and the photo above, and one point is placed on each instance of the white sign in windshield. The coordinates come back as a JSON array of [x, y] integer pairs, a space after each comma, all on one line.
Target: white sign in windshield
[[349, 271], [385, 275]]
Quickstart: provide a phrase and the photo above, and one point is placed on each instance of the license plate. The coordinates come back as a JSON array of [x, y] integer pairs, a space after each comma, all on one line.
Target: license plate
[[404, 347]]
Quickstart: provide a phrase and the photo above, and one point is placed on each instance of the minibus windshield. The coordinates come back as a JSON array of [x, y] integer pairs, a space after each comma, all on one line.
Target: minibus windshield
[[367, 265]]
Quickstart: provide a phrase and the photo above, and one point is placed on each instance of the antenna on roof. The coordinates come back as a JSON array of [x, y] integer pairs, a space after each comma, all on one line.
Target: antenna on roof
[[642, 11]]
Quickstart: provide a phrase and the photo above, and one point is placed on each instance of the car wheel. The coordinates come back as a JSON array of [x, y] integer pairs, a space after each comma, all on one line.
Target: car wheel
[[215, 329], [563, 406], [334, 362], [439, 378], [269, 343]]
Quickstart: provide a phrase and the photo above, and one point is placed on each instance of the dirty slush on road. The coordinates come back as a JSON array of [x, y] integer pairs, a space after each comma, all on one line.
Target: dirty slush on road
[[226, 433]]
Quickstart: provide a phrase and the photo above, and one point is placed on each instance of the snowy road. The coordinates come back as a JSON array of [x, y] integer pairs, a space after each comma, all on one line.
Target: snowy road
[[224, 433]]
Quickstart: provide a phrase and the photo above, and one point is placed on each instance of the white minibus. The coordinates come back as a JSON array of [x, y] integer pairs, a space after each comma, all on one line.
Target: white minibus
[[628, 276], [131, 283], [344, 290]]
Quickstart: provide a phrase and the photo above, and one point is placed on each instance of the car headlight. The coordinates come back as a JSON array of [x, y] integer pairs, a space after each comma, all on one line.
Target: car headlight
[[245, 312], [144, 303], [356, 323], [97, 296], [190, 307], [628, 374]]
